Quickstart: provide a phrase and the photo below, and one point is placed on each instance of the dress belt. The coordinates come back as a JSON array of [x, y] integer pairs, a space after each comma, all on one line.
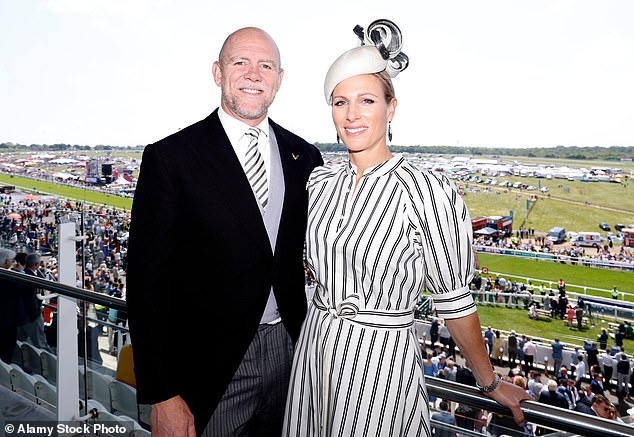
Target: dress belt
[[349, 311], [383, 319]]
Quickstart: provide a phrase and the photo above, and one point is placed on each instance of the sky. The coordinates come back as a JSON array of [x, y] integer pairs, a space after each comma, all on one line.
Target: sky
[[499, 73]]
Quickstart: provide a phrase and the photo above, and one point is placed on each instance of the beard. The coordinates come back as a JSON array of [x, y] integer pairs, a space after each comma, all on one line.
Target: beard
[[235, 105]]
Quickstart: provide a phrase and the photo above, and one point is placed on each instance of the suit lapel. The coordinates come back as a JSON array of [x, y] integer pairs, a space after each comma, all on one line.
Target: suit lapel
[[228, 179]]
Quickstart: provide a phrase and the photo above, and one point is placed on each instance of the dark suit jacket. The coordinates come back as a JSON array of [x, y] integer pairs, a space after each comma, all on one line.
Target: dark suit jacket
[[200, 265]]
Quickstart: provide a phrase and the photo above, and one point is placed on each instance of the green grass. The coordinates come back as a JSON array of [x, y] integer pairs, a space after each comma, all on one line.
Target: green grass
[[67, 192], [550, 212], [552, 271], [510, 318]]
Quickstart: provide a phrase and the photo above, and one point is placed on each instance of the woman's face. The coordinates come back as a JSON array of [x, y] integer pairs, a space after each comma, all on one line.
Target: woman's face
[[360, 113]]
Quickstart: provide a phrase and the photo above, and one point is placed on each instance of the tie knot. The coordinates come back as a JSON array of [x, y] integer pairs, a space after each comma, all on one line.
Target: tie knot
[[253, 133]]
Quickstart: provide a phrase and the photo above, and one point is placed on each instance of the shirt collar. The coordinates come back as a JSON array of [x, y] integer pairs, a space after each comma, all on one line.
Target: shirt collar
[[235, 128]]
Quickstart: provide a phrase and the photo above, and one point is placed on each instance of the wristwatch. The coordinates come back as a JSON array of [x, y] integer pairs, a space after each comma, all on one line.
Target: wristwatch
[[489, 388]]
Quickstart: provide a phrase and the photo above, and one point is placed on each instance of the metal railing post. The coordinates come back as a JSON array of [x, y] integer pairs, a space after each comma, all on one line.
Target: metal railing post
[[67, 368]]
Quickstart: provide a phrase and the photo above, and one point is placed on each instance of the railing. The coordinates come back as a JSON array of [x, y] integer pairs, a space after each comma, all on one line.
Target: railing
[[536, 413], [554, 257]]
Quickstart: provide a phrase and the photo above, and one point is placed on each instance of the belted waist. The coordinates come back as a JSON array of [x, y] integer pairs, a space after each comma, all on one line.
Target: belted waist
[[384, 319]]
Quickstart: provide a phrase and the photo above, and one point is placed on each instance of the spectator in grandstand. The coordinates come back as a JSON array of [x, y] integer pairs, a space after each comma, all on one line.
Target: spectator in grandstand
[[592, 354], [572, 394], [534, 383], [529, 354], [444, 336], [623, 371], [465, 418], [430, 368], [33, 329], [552, 396], [194, 192], [450, 370], [596, 384], [497, 351], [443, 416], [11, 313], [511, 342], [489, 334], [580, 371], [557, 354], [599, 406], [607, 368]]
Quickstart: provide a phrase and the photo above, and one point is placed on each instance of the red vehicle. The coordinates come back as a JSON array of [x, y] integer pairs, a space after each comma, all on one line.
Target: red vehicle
[[502, 223], [628, 237], [478, 222]]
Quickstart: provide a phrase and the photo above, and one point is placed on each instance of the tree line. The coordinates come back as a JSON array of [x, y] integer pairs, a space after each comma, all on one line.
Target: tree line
[[613, 153]]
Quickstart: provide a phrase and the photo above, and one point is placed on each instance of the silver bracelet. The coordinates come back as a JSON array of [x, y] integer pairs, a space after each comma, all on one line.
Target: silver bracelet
[[489, 388]]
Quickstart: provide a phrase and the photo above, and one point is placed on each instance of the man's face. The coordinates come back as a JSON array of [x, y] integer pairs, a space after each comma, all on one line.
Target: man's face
[[603, 410], [249, 75]]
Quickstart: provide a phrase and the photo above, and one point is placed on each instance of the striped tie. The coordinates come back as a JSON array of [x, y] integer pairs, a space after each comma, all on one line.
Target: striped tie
[[254, 167]]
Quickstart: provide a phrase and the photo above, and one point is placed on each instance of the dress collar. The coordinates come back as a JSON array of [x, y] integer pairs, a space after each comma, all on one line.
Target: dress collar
[[377, 170]]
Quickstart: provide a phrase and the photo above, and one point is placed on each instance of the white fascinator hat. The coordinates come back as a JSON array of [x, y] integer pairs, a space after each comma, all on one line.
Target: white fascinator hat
[[380, 50]]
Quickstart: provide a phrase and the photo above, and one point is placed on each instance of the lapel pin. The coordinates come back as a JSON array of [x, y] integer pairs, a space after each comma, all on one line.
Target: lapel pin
[[295, 157]]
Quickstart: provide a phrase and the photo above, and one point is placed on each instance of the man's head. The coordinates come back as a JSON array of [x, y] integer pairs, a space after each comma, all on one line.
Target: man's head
[[7, 256], [249, 73], [602, 407], [20, 259], [33, 261], [444, 406]]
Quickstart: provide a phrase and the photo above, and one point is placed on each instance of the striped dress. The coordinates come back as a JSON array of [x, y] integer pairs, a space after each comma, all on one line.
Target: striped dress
[[357, 369]]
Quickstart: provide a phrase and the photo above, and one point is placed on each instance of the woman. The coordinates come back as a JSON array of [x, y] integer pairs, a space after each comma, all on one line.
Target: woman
[[379, 231], [497, 353], [430, 369]]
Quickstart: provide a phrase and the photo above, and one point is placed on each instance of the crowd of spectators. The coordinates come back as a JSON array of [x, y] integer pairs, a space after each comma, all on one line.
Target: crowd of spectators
[[573, 254]]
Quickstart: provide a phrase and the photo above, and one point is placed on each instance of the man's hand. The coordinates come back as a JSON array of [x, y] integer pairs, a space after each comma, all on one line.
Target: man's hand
[[172, 418]]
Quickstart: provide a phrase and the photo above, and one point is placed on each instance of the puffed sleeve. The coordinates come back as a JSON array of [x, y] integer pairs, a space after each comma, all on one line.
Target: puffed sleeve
[[445, 238]]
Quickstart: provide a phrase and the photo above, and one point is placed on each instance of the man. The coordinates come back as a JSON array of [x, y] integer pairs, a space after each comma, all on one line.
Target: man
[[33, 328], [512, 346], [580, 371], [557, 354], [445, 417], [253, 242], [596, 384], [599, 406], [623, 371], [530, 350], [10, 309], [552, 396]]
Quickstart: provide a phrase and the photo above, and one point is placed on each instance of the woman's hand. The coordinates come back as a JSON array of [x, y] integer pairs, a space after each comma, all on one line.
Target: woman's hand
[[511, 395]]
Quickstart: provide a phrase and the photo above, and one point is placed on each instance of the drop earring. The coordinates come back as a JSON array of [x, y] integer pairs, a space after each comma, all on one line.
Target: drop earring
[[389, 131]]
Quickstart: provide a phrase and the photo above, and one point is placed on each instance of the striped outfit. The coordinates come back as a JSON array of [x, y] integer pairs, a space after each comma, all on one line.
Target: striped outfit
[[357, 368]]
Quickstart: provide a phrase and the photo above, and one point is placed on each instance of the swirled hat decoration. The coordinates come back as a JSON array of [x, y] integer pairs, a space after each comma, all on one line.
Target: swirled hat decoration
[[380, 50]]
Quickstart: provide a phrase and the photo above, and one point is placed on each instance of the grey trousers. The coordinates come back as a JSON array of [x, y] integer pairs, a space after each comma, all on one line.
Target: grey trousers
[[34, 331], [253, 404]]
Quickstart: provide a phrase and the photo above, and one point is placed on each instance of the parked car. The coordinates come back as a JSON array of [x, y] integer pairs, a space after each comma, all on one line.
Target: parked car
[[604, 226], [557, 235], [619, 227]]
